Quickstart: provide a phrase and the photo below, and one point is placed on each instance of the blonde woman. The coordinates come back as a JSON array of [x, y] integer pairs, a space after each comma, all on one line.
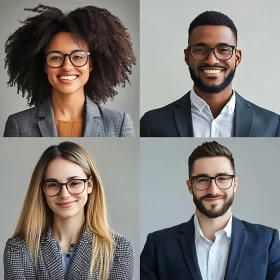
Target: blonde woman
[[63, 231]]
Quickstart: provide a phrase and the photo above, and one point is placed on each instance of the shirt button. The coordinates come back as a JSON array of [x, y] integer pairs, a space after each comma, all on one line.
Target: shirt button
[[67, 255]]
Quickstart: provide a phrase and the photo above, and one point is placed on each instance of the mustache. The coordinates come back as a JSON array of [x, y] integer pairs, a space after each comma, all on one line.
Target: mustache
[[215, 65], [213, 196]]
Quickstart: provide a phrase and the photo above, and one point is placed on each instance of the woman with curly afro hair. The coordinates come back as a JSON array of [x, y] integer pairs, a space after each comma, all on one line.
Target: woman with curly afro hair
[[66, 65]]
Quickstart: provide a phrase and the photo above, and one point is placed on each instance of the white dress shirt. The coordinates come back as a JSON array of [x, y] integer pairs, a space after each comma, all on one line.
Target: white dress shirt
[[212, 257], [204, 124]]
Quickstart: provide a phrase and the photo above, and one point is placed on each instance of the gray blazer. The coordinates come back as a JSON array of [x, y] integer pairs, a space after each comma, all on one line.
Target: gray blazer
[[39, 122], [17, 263]]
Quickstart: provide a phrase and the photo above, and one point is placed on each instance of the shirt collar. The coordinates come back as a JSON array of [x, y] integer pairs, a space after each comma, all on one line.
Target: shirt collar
[[198, 232], [199, 103]]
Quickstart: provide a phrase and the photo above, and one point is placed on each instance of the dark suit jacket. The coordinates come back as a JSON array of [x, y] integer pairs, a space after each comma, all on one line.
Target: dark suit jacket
[[170, 254], [98, 122], [18, 265], [175, 120]]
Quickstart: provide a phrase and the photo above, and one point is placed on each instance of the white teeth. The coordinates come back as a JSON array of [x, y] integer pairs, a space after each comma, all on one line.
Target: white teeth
[[211, 71], [68, 77]]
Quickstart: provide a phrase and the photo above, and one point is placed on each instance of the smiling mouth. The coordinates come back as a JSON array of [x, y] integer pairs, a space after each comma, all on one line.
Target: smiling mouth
[[68, 78], [211, 71]]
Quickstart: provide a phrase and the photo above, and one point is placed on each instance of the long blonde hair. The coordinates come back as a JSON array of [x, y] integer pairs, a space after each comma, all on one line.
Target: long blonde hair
[[36, 216]]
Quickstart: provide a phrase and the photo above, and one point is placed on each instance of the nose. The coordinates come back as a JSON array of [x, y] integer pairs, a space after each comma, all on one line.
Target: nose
[[64, 192], [213, 188], [211, 59], [67, 64]]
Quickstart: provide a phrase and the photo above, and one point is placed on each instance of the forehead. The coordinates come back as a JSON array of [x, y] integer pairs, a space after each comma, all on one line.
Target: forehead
[[212, 35], [61, 169], [64, 43], [211, 166]]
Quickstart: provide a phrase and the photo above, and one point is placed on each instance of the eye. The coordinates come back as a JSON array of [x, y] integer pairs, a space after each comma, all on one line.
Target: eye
[[224, 50], [223, 178], [202, 180], [75, 183], [51, 184], [56, 58], [199, 49]]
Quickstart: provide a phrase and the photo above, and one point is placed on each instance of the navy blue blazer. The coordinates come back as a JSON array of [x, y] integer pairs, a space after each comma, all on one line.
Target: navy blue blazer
[[175, 120], [170, 254]]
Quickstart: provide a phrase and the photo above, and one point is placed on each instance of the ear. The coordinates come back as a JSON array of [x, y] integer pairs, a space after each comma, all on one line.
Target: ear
[[235, 184], [238, 56], [90, 64], [187, 55], [189, 184], [90, 185]]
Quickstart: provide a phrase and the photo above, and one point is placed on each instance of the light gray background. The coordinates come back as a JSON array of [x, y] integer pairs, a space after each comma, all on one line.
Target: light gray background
[[11, 11], [118, 166], [164, 34], [164, 197]]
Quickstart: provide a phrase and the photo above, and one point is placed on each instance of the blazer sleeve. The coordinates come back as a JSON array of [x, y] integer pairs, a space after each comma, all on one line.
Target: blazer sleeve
[[273, 269], [144, 126], [278, 128], [15, 261], [148, 261], [11, 128], [127, 129], [123, 265]]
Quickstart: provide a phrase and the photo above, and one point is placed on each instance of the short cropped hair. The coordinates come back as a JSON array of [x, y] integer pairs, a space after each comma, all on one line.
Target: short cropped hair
[[213, 18], [109, 45], [210, 149]]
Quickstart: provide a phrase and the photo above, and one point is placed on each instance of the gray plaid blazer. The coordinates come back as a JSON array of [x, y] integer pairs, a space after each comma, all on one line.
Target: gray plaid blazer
[[18, 265], [39, 122]]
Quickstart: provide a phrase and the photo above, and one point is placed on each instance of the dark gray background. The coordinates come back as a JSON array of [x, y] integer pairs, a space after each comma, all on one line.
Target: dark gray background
[[118, 166], [164, 197], [11, 11]]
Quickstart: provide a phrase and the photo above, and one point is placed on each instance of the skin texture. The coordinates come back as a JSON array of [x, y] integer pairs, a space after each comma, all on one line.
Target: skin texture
[[67, 222], [212, 36], [212, 166], [68, 98]]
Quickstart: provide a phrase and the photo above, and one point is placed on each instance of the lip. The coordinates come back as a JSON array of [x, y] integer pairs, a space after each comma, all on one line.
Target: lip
[[65, 204], [212, 199]]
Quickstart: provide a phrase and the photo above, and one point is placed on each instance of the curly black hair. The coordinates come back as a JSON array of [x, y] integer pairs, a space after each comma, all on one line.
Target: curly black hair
[[108, 39], [213, 18]]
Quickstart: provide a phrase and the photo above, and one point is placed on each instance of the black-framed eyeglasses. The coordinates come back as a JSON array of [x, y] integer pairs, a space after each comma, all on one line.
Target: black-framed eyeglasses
[[203, 182], [74, 186], [56, 59], [221, 52]]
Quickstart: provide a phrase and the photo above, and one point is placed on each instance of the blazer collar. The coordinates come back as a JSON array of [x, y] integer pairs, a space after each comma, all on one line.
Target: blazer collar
[[187, 243], [93, 124], [244, 116], [79, 267], [183, 116], [238, 240]]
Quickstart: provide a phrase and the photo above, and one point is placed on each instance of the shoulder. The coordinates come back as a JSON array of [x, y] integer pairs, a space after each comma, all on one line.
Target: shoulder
[[167, 233], [25, 115], [257, 109], [117, 122], [167, 108], [16, 244], [123, 245]]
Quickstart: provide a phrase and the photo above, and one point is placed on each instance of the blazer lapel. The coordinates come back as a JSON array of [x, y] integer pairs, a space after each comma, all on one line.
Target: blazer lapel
[[47, 125], [51, 257], [244, 117], [188, 248], [183, 116], [238, 241], [93, 126], [79, 267]]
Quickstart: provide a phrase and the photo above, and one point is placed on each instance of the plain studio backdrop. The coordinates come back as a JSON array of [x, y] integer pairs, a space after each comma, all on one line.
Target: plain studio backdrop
[[164, 36], [118, 166], [164, 197], [11, 11]]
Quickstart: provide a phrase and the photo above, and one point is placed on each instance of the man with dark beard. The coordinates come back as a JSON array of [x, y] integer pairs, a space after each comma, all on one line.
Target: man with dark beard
[[213, 244], [212, 108]]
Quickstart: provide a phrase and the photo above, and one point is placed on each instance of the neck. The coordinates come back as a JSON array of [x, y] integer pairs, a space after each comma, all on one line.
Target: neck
[[68, 231], [68, 107], [210, 226], [216, 101]]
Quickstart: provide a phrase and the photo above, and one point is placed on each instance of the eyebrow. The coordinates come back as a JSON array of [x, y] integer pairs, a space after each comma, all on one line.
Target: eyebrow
[[69, 53], [207, 175], [220, 44], [70, 178]]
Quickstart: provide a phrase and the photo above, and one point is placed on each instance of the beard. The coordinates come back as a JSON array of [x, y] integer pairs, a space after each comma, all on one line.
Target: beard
[[212, 89], [213, 212]]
